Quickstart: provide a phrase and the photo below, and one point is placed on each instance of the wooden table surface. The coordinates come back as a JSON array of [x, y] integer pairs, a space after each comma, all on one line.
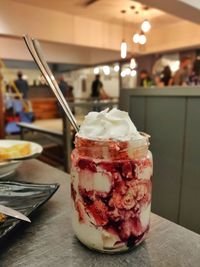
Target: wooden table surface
[[49, 239]]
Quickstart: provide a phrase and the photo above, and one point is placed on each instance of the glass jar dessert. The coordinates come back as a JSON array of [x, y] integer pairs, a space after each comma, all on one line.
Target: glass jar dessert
[[111, 192]]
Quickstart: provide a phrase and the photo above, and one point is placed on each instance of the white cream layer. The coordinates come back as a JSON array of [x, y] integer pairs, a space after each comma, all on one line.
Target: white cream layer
[[114, 124]]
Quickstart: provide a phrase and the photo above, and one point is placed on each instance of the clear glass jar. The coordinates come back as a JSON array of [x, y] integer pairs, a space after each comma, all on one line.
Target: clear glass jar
[[111, 193]]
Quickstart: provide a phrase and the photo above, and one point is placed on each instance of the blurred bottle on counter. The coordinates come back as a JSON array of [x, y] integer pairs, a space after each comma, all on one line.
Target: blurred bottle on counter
[[145, 79]]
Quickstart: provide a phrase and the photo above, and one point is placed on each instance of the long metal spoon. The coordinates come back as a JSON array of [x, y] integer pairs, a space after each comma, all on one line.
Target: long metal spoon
[[39, 52], [35, 50]]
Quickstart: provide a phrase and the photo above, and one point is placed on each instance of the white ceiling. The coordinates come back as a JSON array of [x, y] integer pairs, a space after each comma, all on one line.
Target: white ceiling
[[184, 9], [106, 10], [193, 3]]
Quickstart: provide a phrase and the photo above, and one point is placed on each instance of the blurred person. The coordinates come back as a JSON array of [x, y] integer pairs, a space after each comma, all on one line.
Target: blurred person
[[22, 85], [166, 76], [181, 76], [195, 76], [97, 86], [63, 86], [157, 81], [145, 79], [98, 92], [97, 89]]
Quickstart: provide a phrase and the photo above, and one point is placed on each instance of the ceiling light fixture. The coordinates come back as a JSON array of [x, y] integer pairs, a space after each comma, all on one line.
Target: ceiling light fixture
[[123, 47], [133, 63], [146, 26], [106, 70], [123, 74], [96, 70], [140, 38], [116, 68], [136, 38], [143, 39], [127, 71], [133, 73]]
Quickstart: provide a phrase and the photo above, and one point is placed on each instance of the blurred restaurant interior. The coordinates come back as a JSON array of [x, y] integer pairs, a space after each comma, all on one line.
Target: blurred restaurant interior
[[145, 55]]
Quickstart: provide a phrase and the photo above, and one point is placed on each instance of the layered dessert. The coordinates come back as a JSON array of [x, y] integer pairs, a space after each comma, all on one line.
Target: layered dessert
[[111, 182]]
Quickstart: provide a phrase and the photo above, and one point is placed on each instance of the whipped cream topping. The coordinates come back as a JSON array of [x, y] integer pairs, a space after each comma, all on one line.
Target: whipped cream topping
[[114, 124]]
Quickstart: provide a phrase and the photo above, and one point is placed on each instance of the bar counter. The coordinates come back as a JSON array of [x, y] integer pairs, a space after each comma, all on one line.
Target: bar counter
[[49, 239], [171, 116]]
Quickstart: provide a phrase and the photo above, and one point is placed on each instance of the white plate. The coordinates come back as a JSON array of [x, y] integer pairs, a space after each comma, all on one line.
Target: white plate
[[7, 168]]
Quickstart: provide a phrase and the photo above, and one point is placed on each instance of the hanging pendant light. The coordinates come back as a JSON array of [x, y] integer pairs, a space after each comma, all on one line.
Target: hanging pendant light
[[133, 73], [116, 68], [133, 63], [136, 38], [96, 70], [146, 26], [123, 47], [106, 70], [142, 39]]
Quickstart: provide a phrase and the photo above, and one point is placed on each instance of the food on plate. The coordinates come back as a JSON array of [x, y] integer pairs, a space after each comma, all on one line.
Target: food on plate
[[15, 151], [2, 218]]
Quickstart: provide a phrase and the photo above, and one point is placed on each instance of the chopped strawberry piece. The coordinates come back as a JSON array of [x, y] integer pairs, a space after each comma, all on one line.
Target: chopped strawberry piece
[[130, 227], [126, 228], [99, 211], [114, 215], [120, 201], [127, 171], [108, 166], [87, 164], [136, 227], [87, 196], [80, 209]]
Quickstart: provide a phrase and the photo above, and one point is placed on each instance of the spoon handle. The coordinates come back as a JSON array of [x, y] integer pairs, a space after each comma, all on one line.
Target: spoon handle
[[35, 50]]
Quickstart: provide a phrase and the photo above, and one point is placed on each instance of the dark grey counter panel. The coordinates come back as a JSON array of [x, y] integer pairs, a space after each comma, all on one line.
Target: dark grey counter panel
[[190, 197], [137, 111], [172, 117], [167, 131]]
